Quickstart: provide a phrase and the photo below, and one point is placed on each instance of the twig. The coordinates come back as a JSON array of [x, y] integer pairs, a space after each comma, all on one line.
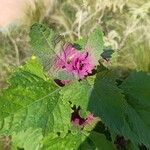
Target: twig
[[79, 24], [91, 16], [15, 47], [127, 33]]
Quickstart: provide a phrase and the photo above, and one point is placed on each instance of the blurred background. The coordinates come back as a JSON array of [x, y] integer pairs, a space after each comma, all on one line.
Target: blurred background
[[125, 23]]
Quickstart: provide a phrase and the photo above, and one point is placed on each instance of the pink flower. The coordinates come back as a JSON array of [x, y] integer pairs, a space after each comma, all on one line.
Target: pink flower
[[78, 63], [90, 118], [77, 120], [65, 56]]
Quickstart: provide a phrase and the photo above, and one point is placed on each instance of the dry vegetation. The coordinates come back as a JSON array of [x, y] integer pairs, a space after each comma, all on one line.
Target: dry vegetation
[[126, 26]]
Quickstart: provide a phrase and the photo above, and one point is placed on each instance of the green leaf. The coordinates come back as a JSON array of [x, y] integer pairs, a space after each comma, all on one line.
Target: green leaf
[[42, 39], [132, 146], [60, 118], [95, 43], [107, 53], [100, 141], [35, 67], [63, 75], [32, 101], [136, 88], [77, 141], [25, 88], [28, 140], [80, 43], [77, 93], [70, 141], [45, 45], [107, 101]]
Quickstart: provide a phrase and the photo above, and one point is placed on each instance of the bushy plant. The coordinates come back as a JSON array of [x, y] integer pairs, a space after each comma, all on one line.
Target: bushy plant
[[73, 98]]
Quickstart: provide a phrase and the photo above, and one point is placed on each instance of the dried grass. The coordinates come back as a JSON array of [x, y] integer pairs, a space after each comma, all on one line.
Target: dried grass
[[126, 26]]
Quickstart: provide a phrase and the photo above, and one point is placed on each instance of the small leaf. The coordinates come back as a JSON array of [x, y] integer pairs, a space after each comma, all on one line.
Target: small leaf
[[95, 43], [77, 93], [44, 42], [80, 43], [107, 54], [42, 38]]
